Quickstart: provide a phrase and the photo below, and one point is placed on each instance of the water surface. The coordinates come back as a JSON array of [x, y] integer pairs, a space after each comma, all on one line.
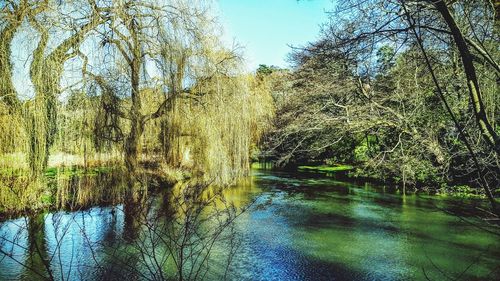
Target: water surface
[[300, 226]]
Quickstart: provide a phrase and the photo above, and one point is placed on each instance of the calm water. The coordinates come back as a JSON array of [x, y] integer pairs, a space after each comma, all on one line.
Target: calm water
[[302, 226]]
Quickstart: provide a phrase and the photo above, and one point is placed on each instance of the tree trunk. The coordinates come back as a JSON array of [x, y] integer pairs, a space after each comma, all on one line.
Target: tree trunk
[[137, 118], [132, 144], [487, 130]]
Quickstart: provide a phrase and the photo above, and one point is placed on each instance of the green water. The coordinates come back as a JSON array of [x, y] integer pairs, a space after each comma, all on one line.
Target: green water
[[300, 226]]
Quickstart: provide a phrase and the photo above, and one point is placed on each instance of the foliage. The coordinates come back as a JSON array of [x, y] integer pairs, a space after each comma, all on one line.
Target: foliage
[[129, 84], [363, 94]]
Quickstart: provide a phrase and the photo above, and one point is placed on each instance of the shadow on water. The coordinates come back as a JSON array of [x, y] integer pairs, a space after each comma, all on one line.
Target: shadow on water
[[271, 226]]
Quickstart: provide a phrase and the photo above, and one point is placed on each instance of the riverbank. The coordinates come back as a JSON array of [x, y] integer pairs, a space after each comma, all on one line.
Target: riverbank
[[355, 173], [76, 187]]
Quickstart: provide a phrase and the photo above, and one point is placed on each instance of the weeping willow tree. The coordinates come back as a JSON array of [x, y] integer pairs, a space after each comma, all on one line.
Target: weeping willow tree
[[138, 36], [127, 39], [12, 15], [212, 130], [214, 112], [151, 83], [169, 87], [154, 81], [46, 71]]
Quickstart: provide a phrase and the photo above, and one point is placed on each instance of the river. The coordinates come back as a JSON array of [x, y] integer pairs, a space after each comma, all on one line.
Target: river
[[299, 226]]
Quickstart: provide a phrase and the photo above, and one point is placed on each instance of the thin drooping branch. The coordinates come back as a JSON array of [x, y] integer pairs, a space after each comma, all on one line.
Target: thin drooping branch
[[13, 20], [46, 71]]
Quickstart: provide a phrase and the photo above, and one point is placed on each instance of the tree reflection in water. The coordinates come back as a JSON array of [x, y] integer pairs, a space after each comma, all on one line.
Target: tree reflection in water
[[156, 233]]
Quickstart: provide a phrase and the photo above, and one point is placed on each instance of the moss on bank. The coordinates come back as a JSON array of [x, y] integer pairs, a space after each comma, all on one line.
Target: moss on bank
[[327, 168]]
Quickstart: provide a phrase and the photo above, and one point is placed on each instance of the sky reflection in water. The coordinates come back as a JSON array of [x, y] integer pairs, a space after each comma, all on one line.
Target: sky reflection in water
[[301, 227]]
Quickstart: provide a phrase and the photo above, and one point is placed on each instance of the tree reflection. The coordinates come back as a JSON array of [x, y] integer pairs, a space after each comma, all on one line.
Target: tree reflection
[[38, 258]]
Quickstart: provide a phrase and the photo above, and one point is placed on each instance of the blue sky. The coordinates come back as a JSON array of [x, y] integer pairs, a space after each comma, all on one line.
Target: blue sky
[[265, 28]]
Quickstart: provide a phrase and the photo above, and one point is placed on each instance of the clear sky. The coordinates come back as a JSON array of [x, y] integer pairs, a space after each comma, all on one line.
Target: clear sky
[[265, 28]]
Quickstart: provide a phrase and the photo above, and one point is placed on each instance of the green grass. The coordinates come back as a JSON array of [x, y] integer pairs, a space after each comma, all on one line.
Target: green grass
[[261, 165], [75, 171], [327, 168]]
